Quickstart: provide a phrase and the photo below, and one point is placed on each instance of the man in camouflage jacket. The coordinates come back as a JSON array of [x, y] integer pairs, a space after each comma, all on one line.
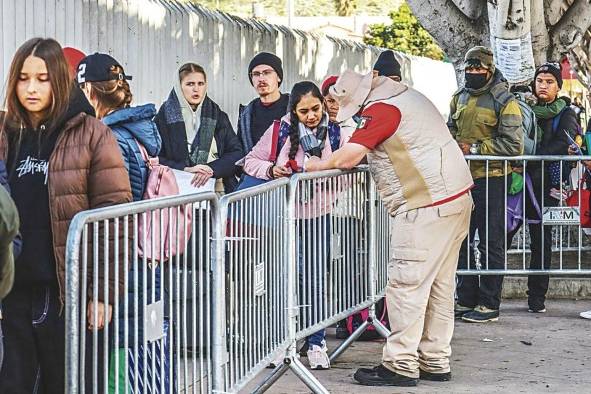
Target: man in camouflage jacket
[[485, 119]]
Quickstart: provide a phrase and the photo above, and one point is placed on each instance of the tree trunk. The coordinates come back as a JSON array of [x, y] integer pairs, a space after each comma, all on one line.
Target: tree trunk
[[458, 25], [453, 30]]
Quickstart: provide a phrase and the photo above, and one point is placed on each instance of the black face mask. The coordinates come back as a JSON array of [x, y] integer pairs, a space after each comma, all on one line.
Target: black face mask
[[476, 81]]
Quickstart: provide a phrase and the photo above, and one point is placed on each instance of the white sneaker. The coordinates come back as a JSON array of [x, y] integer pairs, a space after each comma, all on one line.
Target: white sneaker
[[585, 315], [318, 357]]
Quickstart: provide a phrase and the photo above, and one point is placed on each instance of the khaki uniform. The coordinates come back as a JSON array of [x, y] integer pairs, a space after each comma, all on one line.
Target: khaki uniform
[[424, 182]]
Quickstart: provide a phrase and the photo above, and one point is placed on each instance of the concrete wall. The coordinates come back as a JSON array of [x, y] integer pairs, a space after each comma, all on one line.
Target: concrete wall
[[151, 38]]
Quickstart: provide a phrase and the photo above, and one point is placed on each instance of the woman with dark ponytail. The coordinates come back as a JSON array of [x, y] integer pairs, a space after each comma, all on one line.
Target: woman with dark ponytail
[[303, 133]]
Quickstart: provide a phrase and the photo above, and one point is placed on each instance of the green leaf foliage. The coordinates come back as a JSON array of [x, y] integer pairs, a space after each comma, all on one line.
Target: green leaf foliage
[[405, 34]]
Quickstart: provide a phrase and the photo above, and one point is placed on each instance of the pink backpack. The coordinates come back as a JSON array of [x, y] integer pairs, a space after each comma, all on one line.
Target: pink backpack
[[162, 183]]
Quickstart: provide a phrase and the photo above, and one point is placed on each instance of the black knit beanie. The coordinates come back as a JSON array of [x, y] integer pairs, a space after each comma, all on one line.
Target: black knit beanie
[[551, 68], [268, 59], [387, 65]]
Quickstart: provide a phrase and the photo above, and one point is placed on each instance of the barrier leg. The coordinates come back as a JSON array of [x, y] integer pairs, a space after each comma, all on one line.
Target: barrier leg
[[271, 379], [306, 376], [380, 328], [347, 342]]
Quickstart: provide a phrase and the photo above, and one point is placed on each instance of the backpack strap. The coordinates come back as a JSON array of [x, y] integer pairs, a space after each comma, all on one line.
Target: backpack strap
[[151, 162], [556, 121], [274, 142]]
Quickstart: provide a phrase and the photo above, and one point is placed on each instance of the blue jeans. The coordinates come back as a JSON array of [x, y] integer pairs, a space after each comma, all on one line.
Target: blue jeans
[[313, 263]]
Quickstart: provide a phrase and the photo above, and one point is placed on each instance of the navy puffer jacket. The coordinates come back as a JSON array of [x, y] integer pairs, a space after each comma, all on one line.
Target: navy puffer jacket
[[130, 125]]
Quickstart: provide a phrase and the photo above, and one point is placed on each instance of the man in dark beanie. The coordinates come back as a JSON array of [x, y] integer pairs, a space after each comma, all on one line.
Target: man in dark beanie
[[265, 73], [485, 119], [388, 66], [555, 120]]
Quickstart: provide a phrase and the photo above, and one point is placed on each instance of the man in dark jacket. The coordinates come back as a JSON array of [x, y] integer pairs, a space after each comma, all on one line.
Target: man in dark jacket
[[556, 119], [265, 73], [485, 119]]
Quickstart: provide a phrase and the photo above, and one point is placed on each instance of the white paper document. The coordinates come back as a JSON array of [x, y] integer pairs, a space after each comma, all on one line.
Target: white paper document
[[183, 180]]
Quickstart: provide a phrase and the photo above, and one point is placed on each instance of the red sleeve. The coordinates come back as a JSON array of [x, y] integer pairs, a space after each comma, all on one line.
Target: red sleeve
[[378, 123]]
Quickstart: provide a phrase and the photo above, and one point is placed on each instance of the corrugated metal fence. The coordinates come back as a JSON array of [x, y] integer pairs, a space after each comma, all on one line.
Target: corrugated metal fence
[[151, 38]]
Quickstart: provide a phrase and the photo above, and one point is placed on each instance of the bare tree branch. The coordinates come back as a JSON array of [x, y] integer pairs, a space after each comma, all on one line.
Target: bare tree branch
[[540, 38], [552, 9], [473, 9], [569, 31]]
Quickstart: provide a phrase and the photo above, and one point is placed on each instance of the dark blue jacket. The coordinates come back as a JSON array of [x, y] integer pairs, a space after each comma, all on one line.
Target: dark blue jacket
[[18, 242], [129, 125]]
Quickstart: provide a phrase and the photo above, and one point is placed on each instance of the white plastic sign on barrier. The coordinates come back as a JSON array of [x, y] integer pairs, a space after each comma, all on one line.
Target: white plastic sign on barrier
[[561, 215]]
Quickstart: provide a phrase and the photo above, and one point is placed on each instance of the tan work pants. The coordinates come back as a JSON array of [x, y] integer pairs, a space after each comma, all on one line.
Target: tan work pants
[[424, 248]]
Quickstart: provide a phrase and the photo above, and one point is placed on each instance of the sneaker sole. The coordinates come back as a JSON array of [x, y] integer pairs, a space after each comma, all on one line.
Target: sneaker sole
[[384, 384], [540, 311], [467, 319]]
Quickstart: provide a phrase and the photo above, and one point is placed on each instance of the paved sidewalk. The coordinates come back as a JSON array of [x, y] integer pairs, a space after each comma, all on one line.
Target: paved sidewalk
[[554, 357]]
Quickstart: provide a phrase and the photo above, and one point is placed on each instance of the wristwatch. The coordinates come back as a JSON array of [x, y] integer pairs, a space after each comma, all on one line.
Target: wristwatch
[[474, 149]]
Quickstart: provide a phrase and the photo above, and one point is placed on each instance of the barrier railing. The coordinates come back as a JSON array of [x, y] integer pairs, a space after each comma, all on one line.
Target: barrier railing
[[143, 269], [557, 185], [206, 292]]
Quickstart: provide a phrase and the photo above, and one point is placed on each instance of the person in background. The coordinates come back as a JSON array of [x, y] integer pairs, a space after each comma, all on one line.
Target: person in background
[[9, 244], [265, 73], [196, 134], [555, 119], [304, 132], [51, 148], [485, 119], [388, 66], [346, 129], [106, 87], [74, 57], [429, 204]]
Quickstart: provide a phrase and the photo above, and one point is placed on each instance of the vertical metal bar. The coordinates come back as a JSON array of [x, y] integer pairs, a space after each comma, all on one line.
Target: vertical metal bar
[[219, 217], [116, 306], [72, 356]]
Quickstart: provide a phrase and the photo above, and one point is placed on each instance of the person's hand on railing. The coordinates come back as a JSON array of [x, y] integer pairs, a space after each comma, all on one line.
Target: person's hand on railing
[[464, 147], [202, 174], [280, 171], [104, 315], [572, 150]]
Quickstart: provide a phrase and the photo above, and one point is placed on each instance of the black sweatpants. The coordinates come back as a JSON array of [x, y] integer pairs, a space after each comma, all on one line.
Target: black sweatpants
[[484, 290], [34, 342]]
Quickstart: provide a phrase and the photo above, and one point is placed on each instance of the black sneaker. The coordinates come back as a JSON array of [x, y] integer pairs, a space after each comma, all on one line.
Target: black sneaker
[[382, 376], [460, 310], [481, 314], [435, 377]]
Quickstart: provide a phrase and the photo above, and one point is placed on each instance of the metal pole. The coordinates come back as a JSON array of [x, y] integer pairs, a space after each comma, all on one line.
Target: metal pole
[[219, 352], [72, 304], [290, 12]]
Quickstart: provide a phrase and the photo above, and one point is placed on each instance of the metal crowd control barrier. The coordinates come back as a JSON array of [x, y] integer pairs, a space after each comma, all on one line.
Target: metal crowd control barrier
[[556, 235], [251, 299], [150, 263], [331, 261]]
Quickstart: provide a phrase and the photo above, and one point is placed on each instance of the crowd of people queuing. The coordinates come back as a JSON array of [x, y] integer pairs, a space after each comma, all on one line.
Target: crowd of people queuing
[[72, 140]]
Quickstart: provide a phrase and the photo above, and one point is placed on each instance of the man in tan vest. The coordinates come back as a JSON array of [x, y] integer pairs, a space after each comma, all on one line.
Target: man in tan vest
[[424, 182]]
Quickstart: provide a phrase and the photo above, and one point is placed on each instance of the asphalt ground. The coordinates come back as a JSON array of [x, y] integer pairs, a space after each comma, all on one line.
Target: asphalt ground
[[521, 353]]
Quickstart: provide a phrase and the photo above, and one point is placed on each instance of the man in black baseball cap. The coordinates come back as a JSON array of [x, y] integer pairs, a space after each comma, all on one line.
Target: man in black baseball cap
[[265, 73], [98, 67]]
